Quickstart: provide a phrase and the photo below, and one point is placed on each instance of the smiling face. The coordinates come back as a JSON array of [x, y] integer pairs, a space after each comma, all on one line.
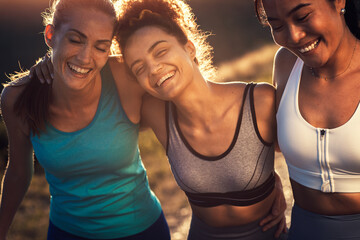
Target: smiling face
[[81, 45], [162, 66], [311, 29]]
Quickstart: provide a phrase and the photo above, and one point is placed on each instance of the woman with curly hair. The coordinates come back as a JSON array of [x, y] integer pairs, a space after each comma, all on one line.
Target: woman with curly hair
[[219, 137]]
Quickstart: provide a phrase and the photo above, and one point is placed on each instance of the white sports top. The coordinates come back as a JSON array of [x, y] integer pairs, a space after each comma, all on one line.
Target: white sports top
[[323, 159]]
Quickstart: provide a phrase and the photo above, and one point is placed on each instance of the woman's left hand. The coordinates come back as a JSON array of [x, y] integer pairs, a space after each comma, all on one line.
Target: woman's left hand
[[277, 214]]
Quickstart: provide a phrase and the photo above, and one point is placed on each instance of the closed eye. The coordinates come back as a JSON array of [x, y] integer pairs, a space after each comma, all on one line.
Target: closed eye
[[75, 41], [101, 49], [161, 52], [139, 69], [302, 19]]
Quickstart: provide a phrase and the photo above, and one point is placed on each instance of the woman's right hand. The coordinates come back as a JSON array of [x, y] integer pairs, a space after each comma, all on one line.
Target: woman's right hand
[[43, 69]]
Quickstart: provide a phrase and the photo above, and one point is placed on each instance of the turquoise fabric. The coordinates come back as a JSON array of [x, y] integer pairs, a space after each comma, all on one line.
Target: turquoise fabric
[[98, 184]]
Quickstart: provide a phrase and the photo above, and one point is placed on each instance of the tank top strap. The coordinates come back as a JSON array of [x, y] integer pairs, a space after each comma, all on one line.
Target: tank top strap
[[252, 114]]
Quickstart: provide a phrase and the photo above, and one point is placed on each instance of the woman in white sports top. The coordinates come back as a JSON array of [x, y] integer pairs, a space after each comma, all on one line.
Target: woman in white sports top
[[317, 74]]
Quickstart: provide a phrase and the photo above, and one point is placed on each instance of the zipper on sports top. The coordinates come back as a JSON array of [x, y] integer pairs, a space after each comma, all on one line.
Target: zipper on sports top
[[322, 133], [325, 167]]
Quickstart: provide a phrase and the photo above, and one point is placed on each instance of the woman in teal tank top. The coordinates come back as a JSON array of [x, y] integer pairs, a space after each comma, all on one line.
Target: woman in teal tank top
[[84, 133]]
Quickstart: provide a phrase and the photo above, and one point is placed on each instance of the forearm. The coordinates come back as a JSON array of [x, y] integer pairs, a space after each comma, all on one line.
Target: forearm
[[14, 188]]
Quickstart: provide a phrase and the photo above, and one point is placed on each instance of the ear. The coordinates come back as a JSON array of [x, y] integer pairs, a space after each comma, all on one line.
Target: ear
[[190, 49], [339, 4], [49, 34]]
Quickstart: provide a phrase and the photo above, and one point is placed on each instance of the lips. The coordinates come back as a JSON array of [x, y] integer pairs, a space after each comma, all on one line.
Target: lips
[[164, 78], [309, 47], [78, 70]]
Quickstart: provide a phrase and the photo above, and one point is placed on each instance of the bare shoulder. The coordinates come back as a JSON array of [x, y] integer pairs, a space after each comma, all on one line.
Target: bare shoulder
[[264, 99], [9, 95], [264, 90], [283, 64], [228, 89]]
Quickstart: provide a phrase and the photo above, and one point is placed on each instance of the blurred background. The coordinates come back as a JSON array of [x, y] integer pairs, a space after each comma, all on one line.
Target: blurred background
[[243, 50]]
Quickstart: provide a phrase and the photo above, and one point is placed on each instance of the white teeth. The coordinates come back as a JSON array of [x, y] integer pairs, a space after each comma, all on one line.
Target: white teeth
[[78, 69], [309, 48], [164, 78]]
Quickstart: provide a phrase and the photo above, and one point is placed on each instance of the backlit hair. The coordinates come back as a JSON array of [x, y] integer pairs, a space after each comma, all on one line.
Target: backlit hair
[[175, 17], [33, 103]]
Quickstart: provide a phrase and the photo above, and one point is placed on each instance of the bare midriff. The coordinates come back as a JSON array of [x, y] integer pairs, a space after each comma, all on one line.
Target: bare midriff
[[228, 215], [330, 204]]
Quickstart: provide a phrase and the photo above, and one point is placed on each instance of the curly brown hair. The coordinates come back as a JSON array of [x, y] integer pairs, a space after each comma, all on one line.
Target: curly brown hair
[[175, 17]]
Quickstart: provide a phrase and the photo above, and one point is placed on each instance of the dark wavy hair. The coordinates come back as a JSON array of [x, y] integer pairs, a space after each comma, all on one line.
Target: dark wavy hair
[[352, 17]]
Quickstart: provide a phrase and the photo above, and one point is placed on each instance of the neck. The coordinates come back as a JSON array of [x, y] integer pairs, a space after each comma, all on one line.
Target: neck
[[340, 63], [196, 104], [75, 99]]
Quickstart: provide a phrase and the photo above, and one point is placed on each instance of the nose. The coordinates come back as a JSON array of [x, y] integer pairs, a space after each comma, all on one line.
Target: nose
[[84, 55], [295, 34], [155, 68]]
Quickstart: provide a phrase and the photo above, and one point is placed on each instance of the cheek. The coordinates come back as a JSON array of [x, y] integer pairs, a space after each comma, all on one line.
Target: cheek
[[101, 61], [280, 38], [141, 80]]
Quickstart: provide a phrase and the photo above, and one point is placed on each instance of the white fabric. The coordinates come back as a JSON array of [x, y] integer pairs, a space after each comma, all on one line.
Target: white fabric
[[324, 159]]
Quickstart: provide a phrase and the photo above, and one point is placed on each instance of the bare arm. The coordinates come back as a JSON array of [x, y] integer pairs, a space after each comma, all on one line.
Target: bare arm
[[20, 167], [153, 116], [283, 64], [130, 92], [264, 103]]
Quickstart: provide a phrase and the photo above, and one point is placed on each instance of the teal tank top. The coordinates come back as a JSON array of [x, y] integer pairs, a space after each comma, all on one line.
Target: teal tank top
[[98, 184]]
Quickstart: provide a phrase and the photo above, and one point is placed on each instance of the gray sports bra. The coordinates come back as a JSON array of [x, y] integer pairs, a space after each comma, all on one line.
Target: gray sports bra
[[241, 176]]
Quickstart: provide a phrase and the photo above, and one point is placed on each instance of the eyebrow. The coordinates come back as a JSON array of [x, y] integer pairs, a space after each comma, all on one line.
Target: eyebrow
[[292, 11], [149, 50], [84, 36]]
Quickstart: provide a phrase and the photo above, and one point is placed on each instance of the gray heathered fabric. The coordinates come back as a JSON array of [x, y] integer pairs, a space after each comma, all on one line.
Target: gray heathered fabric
[[245, 167]]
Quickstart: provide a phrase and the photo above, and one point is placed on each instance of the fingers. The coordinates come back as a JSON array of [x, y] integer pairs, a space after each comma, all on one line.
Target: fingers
[[31, 73], [46, 68], [43, 69], [279, 204], [271, 221], [281, 228], [266, 219], [38, 72]]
